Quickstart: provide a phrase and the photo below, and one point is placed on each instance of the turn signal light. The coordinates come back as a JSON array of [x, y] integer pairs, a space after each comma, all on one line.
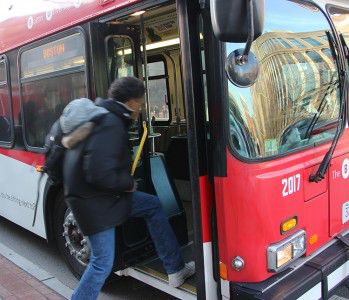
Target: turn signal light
[[223, 271], [288, 225], [313, 239]]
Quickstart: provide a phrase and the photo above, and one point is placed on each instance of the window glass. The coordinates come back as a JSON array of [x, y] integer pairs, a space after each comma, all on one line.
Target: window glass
[[156, 68], [120, 57], [284, 43], [2, 72], [327, 52], [44, 100], [203, 65], [340, 17], [5, 106], [296, 42], [158, 94], [5, 114], [59, 55], [312, 41], [295, 101]]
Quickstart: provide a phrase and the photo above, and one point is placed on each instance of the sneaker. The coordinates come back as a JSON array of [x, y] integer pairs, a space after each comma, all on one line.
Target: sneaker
[[178, 278]]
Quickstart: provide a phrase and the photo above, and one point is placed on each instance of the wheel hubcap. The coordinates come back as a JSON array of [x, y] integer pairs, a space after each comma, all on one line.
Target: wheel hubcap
[[74, 240]]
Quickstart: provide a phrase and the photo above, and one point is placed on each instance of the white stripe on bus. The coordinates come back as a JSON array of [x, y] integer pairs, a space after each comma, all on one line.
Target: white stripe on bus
[[210, 283]]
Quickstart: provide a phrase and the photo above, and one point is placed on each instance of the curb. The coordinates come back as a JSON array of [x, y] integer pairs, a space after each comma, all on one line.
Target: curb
[[46, 278]]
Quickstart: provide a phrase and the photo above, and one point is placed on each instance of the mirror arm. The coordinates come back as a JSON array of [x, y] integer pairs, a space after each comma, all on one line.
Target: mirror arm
[[242, 59]]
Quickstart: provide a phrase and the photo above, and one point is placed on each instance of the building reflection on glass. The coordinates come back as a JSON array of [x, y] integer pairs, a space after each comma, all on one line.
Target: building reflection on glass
[[297, 87]]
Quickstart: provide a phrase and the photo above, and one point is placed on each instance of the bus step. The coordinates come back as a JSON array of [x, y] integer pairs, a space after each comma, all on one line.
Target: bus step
[[154, 268], [152, 273]]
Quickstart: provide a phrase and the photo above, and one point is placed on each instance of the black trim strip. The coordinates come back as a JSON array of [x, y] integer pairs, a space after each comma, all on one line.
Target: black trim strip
[[187, 11], [217, 92], [72, 70]]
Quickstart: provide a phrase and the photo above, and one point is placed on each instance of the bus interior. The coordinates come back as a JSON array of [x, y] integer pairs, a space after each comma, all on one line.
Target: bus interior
[[169, 165]]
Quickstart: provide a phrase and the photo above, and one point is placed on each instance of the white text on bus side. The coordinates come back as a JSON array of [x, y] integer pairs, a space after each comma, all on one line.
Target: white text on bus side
[[291, 185]]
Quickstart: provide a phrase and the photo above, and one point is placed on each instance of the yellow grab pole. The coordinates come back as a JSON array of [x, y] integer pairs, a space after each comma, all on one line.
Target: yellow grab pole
[[140, 148]]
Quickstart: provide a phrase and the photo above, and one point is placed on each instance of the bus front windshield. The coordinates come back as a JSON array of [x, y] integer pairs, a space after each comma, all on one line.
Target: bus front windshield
[[295, 100]]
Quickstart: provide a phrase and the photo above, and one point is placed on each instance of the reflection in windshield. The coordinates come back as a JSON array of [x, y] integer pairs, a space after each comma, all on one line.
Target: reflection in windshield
[[298, 83], [340, 17]]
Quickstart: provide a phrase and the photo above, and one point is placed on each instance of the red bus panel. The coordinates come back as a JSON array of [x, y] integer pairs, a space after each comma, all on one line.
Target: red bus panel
[[256, 198], [22, 23]]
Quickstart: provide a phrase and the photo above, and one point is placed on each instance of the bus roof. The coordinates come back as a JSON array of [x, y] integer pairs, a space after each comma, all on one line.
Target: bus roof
[[22, 22]]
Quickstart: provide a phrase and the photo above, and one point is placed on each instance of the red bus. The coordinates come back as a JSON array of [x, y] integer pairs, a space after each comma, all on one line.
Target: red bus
[[248, 148]]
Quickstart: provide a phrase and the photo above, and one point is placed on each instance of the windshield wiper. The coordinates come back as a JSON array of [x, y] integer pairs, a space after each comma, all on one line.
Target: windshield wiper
[[320, 109], [320, 173], [345, 46], [322, 102]]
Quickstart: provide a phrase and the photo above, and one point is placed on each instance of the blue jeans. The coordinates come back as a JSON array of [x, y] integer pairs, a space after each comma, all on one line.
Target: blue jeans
[[103, 246]]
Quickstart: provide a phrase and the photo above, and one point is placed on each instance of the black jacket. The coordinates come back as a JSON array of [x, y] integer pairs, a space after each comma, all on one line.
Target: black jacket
[[97, 173]]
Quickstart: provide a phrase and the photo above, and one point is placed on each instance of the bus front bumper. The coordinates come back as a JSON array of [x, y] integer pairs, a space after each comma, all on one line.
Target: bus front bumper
[[316, 279]]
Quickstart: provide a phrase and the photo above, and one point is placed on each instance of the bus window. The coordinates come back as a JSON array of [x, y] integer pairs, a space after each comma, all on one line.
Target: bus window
[[120, 58], [297, 91], [53, 76], [3, 77], [158, 89], [5, 107], [44, 100]]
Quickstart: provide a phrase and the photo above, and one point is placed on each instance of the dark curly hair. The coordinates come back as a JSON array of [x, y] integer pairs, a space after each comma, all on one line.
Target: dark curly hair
[[125, 88]]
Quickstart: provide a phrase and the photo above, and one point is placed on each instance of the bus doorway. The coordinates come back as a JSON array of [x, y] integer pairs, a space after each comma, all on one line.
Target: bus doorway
[[147, 45]]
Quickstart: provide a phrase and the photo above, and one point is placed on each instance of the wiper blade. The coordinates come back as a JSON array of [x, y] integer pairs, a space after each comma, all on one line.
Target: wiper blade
[[345, 46], [322, 102], [320, 109], [320, 173]]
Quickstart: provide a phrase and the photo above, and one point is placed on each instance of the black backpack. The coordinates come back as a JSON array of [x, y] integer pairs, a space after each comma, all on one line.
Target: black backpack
[[54, 154]]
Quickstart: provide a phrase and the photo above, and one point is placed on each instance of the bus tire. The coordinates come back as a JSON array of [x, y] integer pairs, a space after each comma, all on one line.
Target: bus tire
[[72, 245]]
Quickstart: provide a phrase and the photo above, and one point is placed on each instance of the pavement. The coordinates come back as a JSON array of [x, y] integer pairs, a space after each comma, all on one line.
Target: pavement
[[15, 283], [21, 279]]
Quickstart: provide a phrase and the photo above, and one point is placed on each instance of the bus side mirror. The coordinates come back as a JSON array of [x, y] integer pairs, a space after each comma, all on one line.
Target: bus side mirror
[[230, 19], [239, 21]]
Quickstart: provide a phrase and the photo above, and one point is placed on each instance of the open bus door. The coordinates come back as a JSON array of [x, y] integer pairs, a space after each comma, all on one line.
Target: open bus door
[[116, 52]]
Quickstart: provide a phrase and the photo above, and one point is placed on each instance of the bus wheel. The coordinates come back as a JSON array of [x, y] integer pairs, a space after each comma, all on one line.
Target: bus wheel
[[71, 243]]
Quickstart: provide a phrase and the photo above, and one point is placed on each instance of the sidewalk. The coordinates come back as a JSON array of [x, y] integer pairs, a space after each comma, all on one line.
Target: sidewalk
[[15, 283]]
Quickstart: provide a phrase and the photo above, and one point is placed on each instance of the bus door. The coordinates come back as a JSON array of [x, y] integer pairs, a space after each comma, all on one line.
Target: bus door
[[114, 49], [116, 52]]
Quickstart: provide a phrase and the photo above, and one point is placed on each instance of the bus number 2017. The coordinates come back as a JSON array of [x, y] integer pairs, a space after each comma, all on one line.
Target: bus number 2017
[[291, 185]]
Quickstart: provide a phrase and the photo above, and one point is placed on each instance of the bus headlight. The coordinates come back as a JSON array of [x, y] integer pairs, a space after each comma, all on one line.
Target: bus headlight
[[286, 251]]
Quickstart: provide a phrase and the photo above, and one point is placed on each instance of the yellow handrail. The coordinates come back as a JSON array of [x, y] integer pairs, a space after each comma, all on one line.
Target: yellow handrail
[[140, 148]]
